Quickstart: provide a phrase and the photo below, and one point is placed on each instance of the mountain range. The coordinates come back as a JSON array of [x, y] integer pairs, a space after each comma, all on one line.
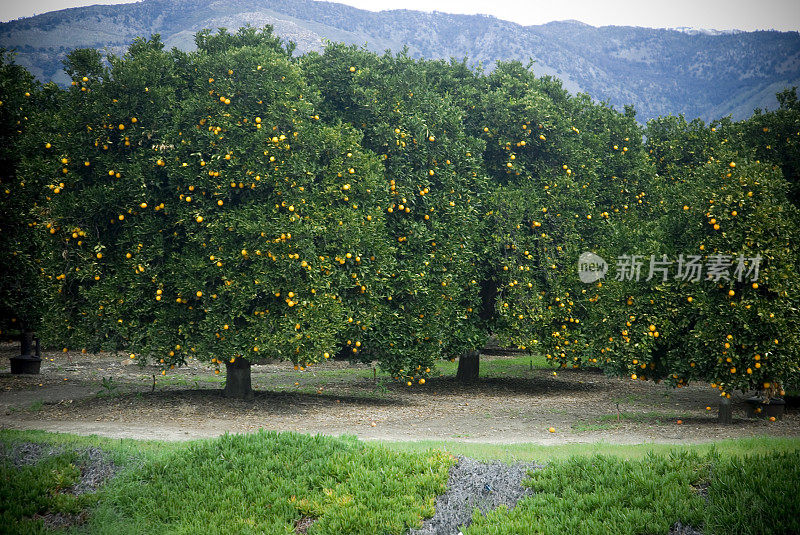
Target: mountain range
[[697, 73]]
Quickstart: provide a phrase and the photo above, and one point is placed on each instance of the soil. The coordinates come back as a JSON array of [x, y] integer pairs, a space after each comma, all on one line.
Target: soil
[[473, 484], [110, 395]]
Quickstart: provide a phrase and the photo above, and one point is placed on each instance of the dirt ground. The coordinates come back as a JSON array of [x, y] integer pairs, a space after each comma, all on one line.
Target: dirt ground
[[110, 395]]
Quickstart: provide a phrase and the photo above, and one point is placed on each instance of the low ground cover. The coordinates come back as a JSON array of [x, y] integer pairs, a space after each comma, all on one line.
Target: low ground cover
[[270, 482]]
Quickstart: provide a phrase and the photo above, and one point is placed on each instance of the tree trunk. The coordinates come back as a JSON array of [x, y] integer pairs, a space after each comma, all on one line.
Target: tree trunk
[[468, 367], [725, 411], [237, 379]]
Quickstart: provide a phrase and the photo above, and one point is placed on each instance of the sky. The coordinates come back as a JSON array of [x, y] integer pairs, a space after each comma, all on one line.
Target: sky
[[709, 14]]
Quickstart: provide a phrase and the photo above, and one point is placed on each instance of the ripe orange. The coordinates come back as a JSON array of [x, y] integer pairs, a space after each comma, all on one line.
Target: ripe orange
[[552, 429]]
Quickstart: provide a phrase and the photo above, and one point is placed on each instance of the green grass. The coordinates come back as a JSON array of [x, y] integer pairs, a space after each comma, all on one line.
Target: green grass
[[581, 427], [500, 367], [120, 451], [490, 367], [258, 483], [265, 482], [605, 494], [595, 495], [642, 417], [541, 453], [186, 380], [755, 495], [28, 490], [341, 373]]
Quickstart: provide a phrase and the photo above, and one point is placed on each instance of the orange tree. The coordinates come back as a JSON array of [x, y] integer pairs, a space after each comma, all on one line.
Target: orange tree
[[212, 214], [774, 137], [93, 159], [432, 171], [699, 309], [564, 171], [23, 105]]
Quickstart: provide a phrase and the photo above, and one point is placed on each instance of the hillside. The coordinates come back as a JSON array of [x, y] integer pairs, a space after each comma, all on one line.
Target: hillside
[[699, 74]]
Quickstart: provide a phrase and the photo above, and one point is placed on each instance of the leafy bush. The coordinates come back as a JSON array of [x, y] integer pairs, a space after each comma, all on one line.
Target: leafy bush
[[268, 482]]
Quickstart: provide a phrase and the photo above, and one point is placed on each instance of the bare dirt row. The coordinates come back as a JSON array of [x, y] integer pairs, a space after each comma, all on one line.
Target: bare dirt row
[[109, 395]]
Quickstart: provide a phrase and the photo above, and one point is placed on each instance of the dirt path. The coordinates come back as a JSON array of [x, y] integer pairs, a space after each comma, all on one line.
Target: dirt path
[[111, 396]]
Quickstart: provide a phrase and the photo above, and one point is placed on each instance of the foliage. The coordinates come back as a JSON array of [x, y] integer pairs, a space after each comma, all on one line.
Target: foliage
[[236, 202], [564, 171], [23, 103], [211, 213], [432, 172], [709, 205], [774, 137]]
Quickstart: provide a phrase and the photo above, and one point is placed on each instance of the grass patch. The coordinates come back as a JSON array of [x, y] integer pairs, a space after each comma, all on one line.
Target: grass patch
[[500, 366], [270, 482], [27, 492], [605, 494], [592, 427], [121, 451], [755, 495], [540, 453], [185, 380], [641, 417], [267, 482], [264, 482]]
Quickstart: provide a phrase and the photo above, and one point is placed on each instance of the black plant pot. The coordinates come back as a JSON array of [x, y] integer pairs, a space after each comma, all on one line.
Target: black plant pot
[[756, 408], [25, 364]]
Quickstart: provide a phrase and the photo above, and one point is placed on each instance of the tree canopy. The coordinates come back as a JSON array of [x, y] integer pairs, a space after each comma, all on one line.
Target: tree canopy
[[237, 203]]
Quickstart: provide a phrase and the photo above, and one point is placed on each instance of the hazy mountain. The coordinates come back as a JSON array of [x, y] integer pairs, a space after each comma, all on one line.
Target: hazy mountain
[[704, 74]]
